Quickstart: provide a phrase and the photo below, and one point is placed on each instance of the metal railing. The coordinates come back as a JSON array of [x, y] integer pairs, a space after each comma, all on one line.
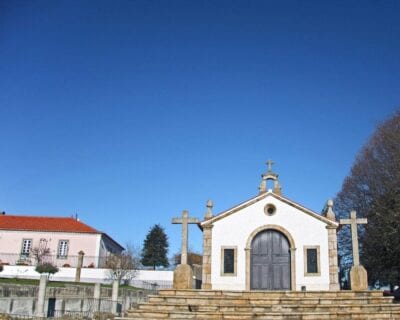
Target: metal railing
[[14, 259]]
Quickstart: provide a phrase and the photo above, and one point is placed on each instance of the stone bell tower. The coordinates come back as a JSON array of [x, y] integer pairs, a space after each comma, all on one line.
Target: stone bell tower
[[270, 175]]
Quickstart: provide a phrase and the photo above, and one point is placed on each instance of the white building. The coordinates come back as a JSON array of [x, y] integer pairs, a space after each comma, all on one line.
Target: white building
[[62, 237], [270, 243]]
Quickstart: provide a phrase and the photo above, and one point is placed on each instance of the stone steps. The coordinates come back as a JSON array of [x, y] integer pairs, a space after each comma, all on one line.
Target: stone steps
[[271, 294], [204, 300], [275, 305], [270, 308], [265, 316]]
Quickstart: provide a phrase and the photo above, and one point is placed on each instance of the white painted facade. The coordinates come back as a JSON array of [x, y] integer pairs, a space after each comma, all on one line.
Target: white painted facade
[[234, 229], [270, 242]]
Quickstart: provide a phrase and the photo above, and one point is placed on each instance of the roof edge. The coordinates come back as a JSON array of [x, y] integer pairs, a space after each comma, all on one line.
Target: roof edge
[[259, 197]]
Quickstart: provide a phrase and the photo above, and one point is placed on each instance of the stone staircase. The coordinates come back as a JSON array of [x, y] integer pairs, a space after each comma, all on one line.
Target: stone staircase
[[271, 305]]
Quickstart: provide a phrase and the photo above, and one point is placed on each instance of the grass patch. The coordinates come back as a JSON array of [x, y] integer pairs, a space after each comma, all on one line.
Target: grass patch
[[36, 282], [19, 281]]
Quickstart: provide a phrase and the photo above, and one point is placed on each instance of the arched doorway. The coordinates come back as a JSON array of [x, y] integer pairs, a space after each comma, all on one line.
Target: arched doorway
[[270, 265]]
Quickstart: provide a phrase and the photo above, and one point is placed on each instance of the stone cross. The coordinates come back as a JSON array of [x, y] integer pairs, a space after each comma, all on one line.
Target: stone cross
[[353, 221], [269, 164], [185, 220]]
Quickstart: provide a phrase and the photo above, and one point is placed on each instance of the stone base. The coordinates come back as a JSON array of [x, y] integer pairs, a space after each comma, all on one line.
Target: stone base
[[358, 278], [183, 277]]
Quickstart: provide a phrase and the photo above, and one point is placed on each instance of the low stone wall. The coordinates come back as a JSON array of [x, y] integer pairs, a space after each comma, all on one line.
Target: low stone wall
[[21, 300], [75, 291], [26, 307]]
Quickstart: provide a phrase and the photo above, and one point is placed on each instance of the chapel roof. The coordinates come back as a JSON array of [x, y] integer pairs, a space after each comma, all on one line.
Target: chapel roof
[[328, 217], [262, 196]]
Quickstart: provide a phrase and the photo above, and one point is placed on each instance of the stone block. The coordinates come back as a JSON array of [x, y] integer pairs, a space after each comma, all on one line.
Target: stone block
[[183, 277], [358, 278], [207, 268]]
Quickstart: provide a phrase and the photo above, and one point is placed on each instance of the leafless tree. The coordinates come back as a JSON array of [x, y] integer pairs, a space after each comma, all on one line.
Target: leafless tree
[[41, 253], [124, 265], [373, 190]]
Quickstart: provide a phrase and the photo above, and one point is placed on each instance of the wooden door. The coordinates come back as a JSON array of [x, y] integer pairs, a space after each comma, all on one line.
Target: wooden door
[[270, 261]]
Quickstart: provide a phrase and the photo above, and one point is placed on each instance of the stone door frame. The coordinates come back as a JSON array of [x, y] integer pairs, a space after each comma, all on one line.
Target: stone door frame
[[292, 253]]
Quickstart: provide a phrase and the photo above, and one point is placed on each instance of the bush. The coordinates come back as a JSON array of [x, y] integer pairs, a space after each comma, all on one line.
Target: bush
[[1, 267], [46, 267], [66, 265]]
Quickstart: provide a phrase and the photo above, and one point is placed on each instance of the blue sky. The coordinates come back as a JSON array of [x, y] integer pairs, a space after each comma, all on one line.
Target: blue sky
[[128, 112]]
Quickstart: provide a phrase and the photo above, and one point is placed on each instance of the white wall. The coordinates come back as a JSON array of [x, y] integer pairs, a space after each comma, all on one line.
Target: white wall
[[87, 275], [11, 243], [234, 230]]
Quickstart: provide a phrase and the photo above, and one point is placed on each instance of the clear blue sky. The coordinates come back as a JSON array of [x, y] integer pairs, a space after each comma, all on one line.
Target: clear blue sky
[[128, 112]]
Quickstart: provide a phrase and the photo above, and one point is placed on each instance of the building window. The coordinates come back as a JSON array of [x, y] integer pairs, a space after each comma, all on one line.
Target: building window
[[311, 261], [62, 251], [26, 247], [228, 261], [270, 209]]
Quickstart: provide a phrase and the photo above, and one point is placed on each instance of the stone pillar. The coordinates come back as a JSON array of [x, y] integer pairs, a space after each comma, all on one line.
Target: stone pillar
[[207, 242], [79, 266], [96, 296], [333, 259], [114, 296], [41, 295]]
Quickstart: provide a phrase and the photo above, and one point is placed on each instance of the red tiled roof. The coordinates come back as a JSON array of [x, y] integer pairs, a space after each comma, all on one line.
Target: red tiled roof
[[56, 224]]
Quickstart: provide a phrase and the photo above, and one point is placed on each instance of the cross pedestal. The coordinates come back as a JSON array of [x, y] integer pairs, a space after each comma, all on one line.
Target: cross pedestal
[[183, 274], [358, 274]]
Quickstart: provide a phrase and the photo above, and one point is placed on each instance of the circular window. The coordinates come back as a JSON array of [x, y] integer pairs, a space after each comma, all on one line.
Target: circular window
[[270, 209]]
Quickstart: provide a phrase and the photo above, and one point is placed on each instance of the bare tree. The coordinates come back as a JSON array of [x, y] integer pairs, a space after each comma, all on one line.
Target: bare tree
[[373, 190], [124, 265], [41, 253]]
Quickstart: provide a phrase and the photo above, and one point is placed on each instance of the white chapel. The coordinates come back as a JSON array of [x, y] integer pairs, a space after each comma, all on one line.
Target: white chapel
[[270, 242]]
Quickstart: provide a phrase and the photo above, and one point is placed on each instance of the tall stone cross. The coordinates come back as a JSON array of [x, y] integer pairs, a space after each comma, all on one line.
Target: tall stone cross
[[353, 222], [185, 220]]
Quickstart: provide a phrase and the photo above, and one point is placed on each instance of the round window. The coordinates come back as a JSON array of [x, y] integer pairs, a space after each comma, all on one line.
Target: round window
[[270, 209]]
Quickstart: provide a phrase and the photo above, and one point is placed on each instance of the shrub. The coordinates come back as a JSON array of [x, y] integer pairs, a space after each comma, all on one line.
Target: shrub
[[1, 267], [46, 267], [66, 265]]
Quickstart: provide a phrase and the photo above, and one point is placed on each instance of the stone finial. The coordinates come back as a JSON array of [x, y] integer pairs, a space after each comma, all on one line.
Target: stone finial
[[277, 188], [209, 206], [329, 210], [263, 186]]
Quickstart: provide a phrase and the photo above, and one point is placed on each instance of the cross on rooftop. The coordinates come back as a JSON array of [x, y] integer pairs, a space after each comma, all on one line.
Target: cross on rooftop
[[353, 222], [269, 164], [185, 220]]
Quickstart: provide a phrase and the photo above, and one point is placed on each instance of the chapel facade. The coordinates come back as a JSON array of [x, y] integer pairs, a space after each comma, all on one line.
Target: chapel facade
[[270, 242]]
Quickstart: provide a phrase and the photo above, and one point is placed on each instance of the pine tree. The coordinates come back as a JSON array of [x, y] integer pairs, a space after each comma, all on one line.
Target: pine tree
[[155, 248]]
